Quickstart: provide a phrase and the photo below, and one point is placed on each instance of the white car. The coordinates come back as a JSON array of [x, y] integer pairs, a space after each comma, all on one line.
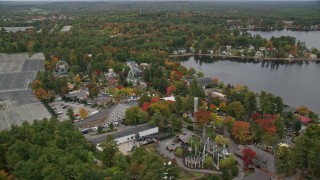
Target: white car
[[95, 128], [99, 147]]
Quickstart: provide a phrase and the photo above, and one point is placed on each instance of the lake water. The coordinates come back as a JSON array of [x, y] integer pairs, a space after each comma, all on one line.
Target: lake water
[[298, 83], [311, 38]]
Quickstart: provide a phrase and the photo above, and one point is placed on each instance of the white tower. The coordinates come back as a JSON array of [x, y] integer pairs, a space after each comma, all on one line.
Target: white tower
[[195, 104]]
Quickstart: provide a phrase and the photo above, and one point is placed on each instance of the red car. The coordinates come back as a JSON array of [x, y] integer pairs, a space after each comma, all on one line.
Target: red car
[[76, 115]]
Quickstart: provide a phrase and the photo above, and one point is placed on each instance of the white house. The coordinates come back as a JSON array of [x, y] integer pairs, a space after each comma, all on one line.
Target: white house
[[258, 54], [182, 50]]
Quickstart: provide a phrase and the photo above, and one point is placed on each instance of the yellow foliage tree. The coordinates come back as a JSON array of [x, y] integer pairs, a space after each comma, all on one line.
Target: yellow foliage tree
[[83, 113], [220, 140], [77, 79]]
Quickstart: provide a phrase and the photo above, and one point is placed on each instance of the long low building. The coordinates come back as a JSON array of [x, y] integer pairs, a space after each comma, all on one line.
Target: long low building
[[128, 134]]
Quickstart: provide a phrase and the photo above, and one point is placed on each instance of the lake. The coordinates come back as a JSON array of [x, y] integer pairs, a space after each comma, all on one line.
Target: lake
[[298, 83], [311, 38]]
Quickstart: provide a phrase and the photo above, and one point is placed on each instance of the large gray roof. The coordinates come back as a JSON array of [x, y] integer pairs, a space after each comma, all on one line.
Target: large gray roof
[[126, 132]]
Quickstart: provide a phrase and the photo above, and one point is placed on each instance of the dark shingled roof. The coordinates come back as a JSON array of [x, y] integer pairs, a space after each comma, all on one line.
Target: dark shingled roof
[[205, 81]]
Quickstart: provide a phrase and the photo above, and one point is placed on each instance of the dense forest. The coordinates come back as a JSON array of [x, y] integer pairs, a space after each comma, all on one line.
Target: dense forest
[[49, 149]]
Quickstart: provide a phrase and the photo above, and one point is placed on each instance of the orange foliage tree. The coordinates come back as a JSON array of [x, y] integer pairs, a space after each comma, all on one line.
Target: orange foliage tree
[[36, 84], [212, 107], [175, 76], [41, 93], [241, 131], [171, 89], [268, 123]]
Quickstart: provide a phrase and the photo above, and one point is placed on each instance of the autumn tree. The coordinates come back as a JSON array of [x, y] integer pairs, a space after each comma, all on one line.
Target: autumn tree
[[170, 90], [303, 110], [248, 155], [241, 131], [145, 106], [202, 118], [41, 93], [222, 106], [160, 108], [83, 113], [218, 121], [220, 140]]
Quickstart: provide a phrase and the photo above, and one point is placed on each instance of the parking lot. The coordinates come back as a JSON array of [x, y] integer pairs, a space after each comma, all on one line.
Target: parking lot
[[17, 100], [12, 113], [61, 107]]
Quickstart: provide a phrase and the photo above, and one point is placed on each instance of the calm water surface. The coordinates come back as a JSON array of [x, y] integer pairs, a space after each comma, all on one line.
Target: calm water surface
[[298, 83], [311, 38]]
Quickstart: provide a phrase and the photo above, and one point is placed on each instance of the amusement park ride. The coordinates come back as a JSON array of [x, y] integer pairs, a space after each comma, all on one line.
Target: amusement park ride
[[134, 73], [61, 68], [196, 160]]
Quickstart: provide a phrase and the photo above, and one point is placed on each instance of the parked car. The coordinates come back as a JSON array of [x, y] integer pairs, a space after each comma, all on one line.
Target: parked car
[[85, 131], [95, 128]]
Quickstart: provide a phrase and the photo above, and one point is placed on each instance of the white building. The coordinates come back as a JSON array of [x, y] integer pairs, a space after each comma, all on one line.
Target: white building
[[129, 134]]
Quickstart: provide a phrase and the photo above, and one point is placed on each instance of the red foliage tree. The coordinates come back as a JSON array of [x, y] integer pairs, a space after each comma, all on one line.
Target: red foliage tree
[[171, 89], [256, 116], [145, 106], [202, 117], [270, 117], [247, 156], [212, 107], [155, 100], [98, 71], [267, 125], [119, 87]]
